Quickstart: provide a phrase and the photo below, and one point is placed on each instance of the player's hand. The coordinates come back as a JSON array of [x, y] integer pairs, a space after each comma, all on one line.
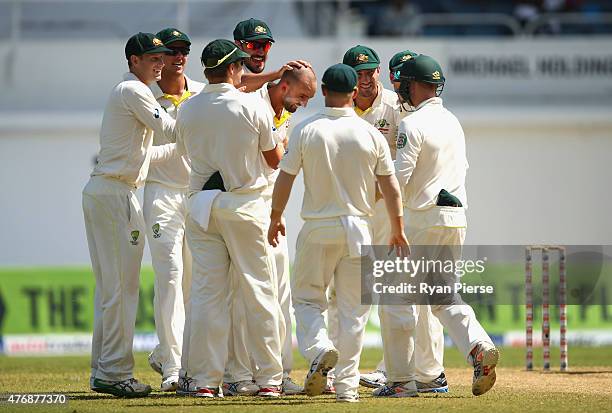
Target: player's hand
[[297, 64], [399, 243], [242, 88], [277, 226]]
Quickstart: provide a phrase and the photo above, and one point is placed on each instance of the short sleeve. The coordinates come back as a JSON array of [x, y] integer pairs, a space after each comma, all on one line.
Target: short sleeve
[[384, 161], [292, 161]]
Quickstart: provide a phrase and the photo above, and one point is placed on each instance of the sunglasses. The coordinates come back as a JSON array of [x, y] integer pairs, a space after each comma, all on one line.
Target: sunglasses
[[253, 45], [176, 50], [395, 76]]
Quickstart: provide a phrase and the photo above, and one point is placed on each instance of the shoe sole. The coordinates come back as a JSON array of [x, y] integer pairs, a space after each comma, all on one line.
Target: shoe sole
[[269, 394], [401, 395], [316, 382], [485, 383], [185, 393], [434, 390]]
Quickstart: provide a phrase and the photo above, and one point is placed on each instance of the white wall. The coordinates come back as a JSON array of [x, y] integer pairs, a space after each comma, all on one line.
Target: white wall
[[539, 172]]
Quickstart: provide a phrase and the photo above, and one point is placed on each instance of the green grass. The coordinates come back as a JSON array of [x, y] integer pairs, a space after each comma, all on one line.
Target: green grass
[[586, 387]]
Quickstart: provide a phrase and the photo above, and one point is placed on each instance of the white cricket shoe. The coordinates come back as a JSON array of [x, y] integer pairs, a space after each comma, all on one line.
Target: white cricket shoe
[[154, 363], [240, 388], [291, 388], [399, 389], [270, 391], [169, 383], [125, 388], [484, 361], [374, 380], [186, 386], [316, 379], [347, 397]]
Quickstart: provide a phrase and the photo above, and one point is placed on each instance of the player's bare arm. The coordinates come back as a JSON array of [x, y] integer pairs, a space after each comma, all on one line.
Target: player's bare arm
[[280, 197], [274, 156], [393, 200], [253, 81]]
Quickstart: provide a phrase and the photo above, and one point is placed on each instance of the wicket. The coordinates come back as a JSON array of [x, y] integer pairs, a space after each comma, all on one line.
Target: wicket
[[545, 305]]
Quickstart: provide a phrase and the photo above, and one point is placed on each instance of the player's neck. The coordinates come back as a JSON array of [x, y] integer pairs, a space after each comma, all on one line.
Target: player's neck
[[174, 84], [276, 100]]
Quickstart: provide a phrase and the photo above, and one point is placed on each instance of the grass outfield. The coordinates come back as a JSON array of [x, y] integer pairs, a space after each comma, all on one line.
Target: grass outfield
[[587, 387]]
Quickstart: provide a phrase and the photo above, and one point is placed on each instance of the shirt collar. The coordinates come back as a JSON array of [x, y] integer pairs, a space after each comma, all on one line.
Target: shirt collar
[[218, 88], [285, 114], [430, 101], [338, 112], [130, 76]]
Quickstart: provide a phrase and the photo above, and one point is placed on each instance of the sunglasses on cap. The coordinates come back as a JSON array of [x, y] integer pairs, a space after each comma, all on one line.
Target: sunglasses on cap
[[176, 50], [395, 76], [254, 45]]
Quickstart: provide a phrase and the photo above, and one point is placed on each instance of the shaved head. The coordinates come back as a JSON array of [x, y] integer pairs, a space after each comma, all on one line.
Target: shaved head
[[302, 74], [298, 86]]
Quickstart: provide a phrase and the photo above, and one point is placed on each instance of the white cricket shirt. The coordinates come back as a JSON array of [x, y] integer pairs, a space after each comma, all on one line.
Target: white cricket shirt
[[225, 130], [340, 155], [430, 156], [131, 117], [173, 172], [384, 115]]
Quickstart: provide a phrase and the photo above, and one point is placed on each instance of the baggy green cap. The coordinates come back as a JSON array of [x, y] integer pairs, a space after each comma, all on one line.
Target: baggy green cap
[[144, 43], [361, 58], [399, 58], [221, 52], [422, 68], [171, 35], [252, 29], [340, 78]]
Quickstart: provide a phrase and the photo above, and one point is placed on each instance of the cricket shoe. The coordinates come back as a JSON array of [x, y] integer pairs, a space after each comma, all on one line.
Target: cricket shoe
[[270, 391], [208, 392], [154, 363], [484, 359], [374, 380], [316, 379], [399, 389], [186, 387], [437, 385], [347, 397], [125, 388], [169, 383], [329, 386], [291, 388], [240, 388]]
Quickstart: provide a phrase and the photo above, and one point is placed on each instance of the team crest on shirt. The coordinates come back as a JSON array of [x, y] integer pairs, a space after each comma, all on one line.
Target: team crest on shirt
[[156, 230], [362, 58], [381, 123], [259, 29], [402, 140], [134, 235], [157, 42]]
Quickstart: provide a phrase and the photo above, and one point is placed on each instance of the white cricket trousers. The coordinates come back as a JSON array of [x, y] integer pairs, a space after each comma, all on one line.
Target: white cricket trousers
[[239, 363], [236, 234], [429, 339], [165, 211], [322, 255], [115, 236], [398, 322]]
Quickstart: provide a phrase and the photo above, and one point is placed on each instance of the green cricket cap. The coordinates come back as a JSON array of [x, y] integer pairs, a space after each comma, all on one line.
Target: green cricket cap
[[399, 58], [221, 52], [422, 69], [252, 29], [171, 35], [144, 43], [361, 58], [340, 78]]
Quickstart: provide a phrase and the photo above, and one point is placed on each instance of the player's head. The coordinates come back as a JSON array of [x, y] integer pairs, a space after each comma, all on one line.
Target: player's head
[[339, 85], [222, 61], [179, 44], [254, 37], [144, 53], [395, 63], [366, 63], [420, 79], [297, 86]]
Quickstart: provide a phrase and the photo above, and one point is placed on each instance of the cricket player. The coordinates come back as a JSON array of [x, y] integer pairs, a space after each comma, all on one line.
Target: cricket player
[[254, 37], [227, 131], [295, 88], [113, 217], [165, 210], [429, 340], [342, 157], [431, 166]]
